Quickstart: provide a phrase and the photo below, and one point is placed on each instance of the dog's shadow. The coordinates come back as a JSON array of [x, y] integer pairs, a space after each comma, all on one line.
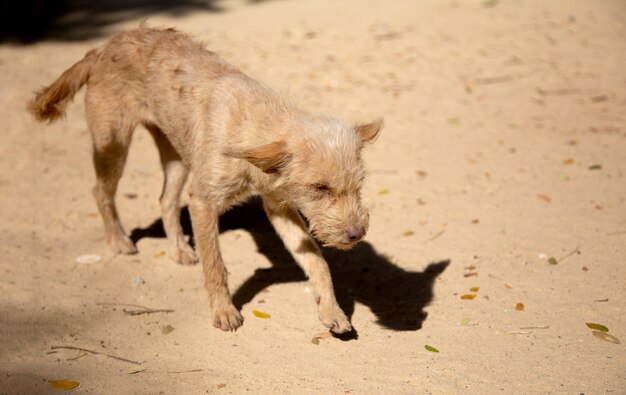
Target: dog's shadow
[[397, 297]]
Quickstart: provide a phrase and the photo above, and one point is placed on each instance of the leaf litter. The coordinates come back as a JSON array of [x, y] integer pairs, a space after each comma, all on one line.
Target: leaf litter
[[606, 337], [63, 385], [260, 314], [430, 348], [600, 331], [598, 327], [320, 336]]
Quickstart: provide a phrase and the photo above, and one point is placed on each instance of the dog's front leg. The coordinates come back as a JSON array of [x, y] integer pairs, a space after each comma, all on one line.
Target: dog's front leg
[[292, 230], [204, 218]]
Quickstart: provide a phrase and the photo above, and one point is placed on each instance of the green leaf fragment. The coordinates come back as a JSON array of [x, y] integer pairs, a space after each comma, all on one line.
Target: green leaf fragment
[[465, 321], [597, 327], [595, 167], [430, 348], [316, 341], [552, 260]]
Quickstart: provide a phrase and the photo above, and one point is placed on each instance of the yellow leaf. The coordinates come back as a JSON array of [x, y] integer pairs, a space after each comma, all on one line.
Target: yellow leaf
[[475, 289], [159, 254], [383, 192], [260, 314], [63, 385], [468, 296], [519, 306]]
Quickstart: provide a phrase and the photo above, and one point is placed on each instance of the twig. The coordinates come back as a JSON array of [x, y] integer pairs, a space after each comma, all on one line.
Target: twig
[[187, 371], [616, 233], [535, 327], [494, 80], [437, 235], [576, 250], [140, 309], [95, 353], [557, 92], [146, 311]]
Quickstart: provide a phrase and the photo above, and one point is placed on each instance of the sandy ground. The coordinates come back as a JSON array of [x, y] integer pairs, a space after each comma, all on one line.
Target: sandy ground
[[504, 146]]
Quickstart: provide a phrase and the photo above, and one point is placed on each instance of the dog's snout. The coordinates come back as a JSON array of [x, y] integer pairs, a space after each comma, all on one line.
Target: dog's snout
[[355, 232]]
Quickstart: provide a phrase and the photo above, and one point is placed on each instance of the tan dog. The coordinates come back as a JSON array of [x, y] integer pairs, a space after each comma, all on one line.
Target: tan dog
[[238, 138]]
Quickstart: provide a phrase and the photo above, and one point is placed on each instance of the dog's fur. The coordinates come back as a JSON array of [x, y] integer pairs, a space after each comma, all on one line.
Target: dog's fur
[[236, 136]]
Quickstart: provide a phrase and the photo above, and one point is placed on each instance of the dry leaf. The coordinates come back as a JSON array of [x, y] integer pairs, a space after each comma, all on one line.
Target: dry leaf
[[468, 296], [135, 369], [260, 314], [167, 329], [323, 335], [408, 233], [606, 337], [221, 385], [568, 161], [476, 221], [470, 274], [507, 286], [63, 385], [519, 306], [475, 289], [545, 198]]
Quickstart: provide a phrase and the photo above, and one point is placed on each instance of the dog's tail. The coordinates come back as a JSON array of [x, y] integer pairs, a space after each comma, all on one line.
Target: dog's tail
[[50, 102]]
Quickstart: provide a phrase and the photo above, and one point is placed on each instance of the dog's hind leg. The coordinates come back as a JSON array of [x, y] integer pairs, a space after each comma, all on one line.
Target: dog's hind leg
[[111, 139], [175, 174]]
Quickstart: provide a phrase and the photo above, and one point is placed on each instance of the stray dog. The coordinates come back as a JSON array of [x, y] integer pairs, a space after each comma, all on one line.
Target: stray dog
[[236, 136]]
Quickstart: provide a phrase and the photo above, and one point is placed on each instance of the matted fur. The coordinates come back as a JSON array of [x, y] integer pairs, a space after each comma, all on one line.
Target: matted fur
[[236, 136]]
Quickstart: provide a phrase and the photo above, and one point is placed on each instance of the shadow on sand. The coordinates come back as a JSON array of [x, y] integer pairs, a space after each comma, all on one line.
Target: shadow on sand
[[397, 297], [29, 21]]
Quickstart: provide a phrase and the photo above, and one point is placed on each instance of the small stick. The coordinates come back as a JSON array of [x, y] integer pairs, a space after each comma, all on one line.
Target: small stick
[[576, 250], [146, 311], [94, 352], [437, 235], [616, 233], [140, 309]]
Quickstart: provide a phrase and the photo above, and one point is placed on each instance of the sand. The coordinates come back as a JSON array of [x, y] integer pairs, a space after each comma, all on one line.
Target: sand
[[503, 147]]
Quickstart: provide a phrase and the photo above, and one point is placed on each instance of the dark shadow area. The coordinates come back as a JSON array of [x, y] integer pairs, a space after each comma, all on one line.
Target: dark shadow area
[[397, 297], [29, 21]]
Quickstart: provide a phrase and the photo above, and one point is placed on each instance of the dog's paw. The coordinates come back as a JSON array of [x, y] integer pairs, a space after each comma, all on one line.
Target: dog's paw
[[227, 318], [123, 245], [185, 255], [334, 318]]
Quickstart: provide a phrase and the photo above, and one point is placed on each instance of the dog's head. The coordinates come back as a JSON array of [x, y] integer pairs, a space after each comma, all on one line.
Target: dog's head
[[319, 171]]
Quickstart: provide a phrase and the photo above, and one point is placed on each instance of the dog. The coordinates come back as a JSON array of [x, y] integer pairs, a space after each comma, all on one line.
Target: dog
[[237, 137]]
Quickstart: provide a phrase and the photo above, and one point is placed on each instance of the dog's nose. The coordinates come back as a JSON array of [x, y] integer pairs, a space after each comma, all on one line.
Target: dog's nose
[[355, 232]]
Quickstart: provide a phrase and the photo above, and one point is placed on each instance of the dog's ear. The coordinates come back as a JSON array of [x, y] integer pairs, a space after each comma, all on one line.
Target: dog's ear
[[369, 132], [270, 158]]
